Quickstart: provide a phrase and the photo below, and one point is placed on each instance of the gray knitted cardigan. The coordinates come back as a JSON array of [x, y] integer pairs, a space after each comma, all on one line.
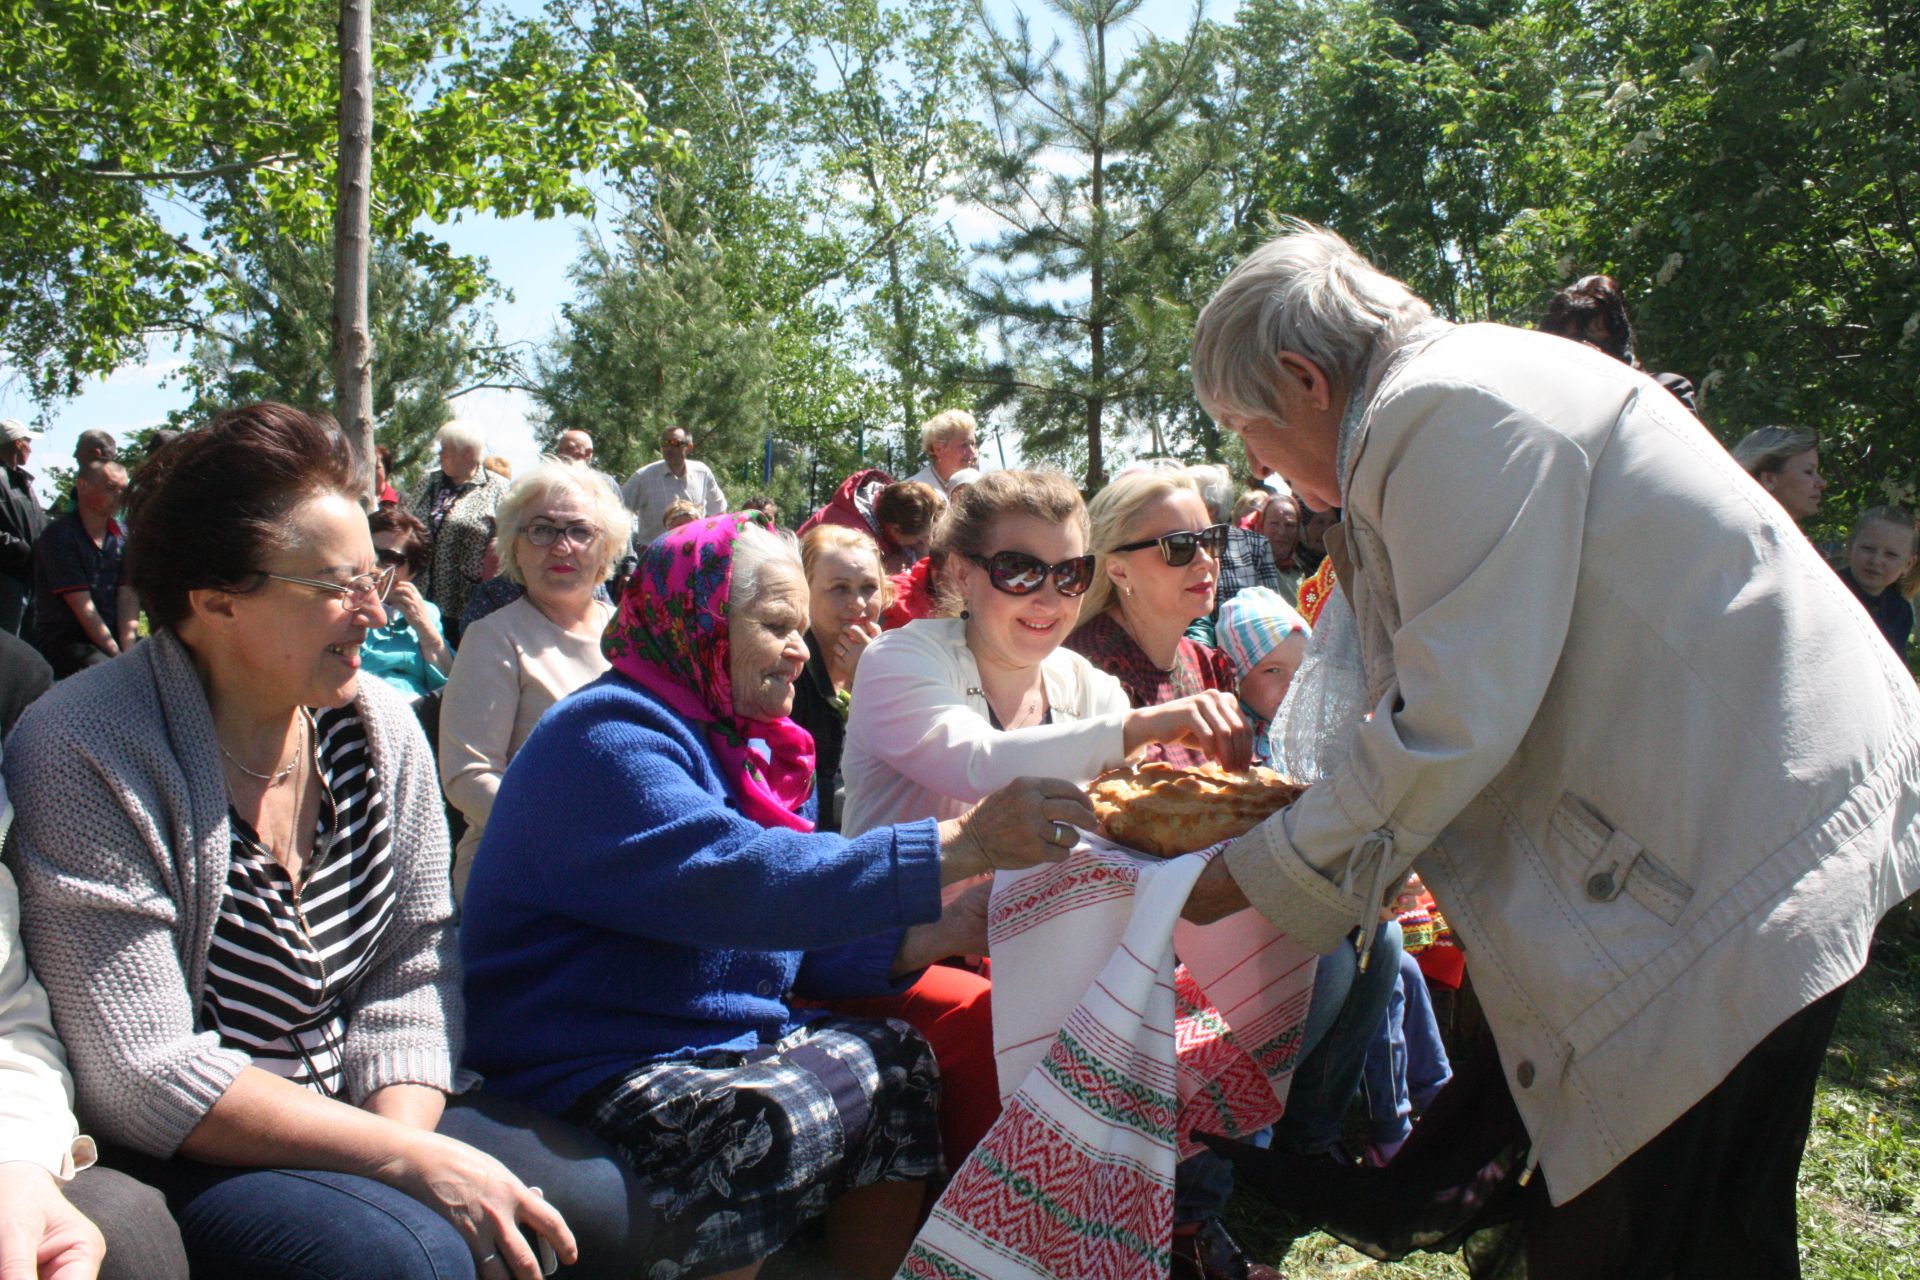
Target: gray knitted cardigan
[[120, 843]]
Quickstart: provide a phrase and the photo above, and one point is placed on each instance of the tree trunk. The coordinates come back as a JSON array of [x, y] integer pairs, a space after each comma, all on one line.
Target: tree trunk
[[352, 241]]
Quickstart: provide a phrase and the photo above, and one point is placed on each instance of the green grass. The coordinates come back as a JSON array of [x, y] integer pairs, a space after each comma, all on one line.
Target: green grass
[[1859, 1182]]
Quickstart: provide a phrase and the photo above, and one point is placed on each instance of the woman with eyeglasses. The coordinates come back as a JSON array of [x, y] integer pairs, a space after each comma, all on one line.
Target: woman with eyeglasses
[[234, 886], [410, 652], [1158, 560], [561, 531]]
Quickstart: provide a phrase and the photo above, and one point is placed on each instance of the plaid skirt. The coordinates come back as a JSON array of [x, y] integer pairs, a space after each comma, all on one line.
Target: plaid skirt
[[739, 1149]]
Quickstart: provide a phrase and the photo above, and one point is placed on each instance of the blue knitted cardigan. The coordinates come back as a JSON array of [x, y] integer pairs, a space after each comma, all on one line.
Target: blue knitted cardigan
[[621, 910]]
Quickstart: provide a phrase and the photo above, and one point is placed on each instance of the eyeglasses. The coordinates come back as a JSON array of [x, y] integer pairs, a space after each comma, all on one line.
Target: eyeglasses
[[393, 557], [1178, 549], [1019, 574], [355, 593], [545, 535]]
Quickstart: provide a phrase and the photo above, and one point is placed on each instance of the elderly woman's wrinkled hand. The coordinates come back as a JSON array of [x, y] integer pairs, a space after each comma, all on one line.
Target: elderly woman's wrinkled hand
[[1027, 822]]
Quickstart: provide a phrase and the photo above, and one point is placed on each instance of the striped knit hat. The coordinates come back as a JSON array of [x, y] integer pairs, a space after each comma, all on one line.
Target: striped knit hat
[[1253, 624]]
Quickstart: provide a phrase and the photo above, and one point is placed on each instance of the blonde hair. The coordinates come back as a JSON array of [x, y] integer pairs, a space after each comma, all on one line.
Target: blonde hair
[[550, 479], [1112, 513], [678, 512], [1763, 452], [973, 518], [949, 424], [824, 539]]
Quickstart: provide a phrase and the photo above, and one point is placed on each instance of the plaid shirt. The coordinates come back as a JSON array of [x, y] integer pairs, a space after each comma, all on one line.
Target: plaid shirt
[[1246, 562]]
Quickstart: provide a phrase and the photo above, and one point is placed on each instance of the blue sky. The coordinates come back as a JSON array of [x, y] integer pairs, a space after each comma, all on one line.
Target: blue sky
[[529, 257]]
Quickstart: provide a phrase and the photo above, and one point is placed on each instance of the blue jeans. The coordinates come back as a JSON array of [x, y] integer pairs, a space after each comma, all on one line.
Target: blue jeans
[[1346, 1009], [1406, 1060], [306, 1224]]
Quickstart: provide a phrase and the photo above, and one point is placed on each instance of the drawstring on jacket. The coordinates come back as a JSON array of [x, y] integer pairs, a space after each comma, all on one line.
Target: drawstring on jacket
[[1373, 857]]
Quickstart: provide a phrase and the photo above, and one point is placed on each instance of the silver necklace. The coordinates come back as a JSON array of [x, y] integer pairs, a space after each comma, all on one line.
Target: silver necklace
[[280, 775]]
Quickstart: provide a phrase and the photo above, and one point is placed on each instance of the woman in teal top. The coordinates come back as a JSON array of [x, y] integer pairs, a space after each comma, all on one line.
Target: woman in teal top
[[411, 652]]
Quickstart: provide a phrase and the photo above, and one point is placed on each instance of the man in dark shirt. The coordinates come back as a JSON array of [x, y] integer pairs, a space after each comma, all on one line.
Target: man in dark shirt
[[21, 520], [82, 615]]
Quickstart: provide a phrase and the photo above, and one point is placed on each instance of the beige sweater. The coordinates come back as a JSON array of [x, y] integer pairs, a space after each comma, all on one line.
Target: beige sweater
[[513, 664]]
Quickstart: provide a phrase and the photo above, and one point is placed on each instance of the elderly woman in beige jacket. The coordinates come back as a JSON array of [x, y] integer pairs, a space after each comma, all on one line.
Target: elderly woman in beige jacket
[[561, 531], [1656, 764]]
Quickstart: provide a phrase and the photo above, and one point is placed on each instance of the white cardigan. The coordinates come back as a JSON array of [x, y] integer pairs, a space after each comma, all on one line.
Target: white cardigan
[[36, 1093], [919, 744]]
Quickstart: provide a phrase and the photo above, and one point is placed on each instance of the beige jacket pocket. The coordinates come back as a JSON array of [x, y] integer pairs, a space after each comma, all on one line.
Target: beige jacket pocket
[[1611, 862]]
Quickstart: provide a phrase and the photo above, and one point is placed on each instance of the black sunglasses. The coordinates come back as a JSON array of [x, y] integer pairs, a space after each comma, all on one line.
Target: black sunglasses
[[1019, 574], [1178, 549], [391, 555]]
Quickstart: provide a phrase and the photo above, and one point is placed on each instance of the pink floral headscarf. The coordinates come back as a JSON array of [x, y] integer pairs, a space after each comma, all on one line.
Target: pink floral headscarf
[[671, 637]]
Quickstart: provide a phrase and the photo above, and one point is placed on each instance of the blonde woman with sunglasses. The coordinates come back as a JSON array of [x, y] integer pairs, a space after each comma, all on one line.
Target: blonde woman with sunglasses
[[945, 710], [561, 531], [1157, 563]]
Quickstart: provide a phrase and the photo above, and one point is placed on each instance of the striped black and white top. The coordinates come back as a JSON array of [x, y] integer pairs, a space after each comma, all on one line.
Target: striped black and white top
[[285, 958]]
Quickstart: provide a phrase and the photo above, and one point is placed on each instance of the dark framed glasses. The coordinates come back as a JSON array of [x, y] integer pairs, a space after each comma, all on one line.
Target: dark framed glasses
[[1179, 548], [392, 557], [1019, 574], [543, 534]]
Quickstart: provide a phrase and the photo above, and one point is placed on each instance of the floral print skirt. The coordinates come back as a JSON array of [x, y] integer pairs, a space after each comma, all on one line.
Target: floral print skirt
[[739, 1149]]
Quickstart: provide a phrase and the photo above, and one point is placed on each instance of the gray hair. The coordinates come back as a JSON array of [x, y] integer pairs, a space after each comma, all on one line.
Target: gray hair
[[949, 424], [1215, 484], [1308, 292], [462, 435], [553, 478], [756, 551], [1768, 450]]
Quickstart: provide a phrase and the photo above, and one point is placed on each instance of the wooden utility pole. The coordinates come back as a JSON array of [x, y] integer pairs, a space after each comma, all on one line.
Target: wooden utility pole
[[352, 240]]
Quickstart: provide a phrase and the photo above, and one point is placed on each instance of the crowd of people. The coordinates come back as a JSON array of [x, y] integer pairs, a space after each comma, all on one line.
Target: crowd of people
[[546, 871]]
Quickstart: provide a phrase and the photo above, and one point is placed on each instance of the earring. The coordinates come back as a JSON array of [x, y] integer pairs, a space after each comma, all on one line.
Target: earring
[[965, 614], [1129, 591]]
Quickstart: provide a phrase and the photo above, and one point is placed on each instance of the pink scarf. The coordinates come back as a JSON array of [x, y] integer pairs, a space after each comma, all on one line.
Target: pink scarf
[[671, 638]]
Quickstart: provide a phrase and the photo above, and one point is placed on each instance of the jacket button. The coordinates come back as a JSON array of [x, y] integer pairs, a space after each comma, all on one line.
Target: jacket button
[[1524, 1074], [1600, 887], [764, 988]]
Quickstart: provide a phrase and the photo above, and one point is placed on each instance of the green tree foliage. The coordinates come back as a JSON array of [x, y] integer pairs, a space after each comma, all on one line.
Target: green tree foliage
[[144, 146], [1756, 180], [817, 148], [273, 343], [653, 342], [1747, 170], [1096, 168]]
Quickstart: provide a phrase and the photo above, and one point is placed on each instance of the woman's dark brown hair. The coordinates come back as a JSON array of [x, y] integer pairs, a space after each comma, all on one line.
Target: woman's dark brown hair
[[210, 508], [417, 548], [1571, 313]]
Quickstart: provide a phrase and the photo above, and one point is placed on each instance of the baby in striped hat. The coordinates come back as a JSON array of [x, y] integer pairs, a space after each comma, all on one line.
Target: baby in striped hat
[[1264, 638]]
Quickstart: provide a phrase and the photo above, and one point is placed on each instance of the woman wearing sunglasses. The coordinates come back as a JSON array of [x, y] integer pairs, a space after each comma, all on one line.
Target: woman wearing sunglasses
[[233, 874], [1158, 556], [946, 710], [411, 652], [561, 530]]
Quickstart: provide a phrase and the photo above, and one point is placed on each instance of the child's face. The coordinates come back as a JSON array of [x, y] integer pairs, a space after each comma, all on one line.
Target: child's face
[[1880, 554], [1266, 683]]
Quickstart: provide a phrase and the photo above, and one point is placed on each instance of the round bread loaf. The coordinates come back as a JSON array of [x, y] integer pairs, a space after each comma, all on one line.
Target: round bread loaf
[[1167, 810]]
